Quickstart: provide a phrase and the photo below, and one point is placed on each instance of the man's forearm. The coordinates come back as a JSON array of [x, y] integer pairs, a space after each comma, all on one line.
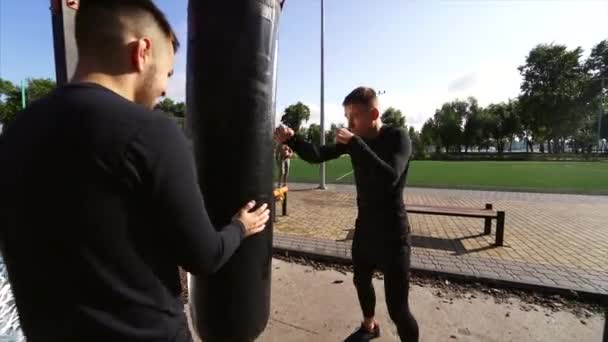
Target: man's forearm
[[197, 245], [315, 154]]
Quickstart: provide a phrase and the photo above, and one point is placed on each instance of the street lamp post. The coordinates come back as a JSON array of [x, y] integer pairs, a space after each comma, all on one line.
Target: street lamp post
[[599, 120], [322, 166]]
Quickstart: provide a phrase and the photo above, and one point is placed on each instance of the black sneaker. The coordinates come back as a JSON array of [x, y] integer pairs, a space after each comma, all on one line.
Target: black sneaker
[[362, 334]]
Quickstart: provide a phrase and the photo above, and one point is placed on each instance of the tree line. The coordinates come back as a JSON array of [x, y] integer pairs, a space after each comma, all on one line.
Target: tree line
[[560, 99], [559, 105], [561, 96], [12, 99]]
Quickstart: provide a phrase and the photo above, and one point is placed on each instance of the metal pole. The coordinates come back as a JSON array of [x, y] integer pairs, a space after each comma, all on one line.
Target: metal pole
[[23, 101], [322, 166], [599, 120]]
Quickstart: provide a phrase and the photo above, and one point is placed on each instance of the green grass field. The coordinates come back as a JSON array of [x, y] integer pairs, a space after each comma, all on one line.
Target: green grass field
[[562, 177]]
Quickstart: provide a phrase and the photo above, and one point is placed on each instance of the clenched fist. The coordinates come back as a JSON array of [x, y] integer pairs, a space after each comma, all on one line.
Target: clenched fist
[[343, 136], [282, 134]]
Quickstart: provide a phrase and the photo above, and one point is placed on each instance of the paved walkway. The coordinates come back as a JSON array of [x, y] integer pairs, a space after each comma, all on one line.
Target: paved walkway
[[551, 240]]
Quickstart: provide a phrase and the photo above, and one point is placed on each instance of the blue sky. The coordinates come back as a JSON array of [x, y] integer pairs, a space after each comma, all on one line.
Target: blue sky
[[422, 53]]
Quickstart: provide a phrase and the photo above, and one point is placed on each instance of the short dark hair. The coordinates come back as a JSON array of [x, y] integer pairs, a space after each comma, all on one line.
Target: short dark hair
[[97, 22], [365, 96]]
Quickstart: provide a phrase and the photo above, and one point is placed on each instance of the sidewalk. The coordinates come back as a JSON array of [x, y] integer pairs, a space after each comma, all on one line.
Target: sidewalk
[[320, 306], [551, 240]]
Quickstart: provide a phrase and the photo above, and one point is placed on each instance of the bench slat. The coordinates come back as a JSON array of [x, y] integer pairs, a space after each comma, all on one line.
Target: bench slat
[[450, 211]]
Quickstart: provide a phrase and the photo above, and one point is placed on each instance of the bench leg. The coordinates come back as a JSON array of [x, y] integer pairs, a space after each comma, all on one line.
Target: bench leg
[[285, 205], [500, 228], [487, 228]]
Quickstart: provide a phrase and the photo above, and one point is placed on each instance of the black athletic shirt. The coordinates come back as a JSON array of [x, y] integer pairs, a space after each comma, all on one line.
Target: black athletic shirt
[[380, 168], [99, 205]]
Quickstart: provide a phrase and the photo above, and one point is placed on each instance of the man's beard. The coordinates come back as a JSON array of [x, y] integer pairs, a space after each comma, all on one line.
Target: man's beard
[[144, 93]]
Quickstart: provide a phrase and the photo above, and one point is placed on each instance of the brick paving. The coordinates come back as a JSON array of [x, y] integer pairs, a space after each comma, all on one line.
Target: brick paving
[[551, 240]]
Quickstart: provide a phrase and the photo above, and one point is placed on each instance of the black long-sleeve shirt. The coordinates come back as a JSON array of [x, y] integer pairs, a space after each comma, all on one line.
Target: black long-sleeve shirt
[[380, 169], [99, 205]]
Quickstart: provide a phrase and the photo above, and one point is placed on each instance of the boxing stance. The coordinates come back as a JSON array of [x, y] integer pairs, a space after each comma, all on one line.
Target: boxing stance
[[380, 157]]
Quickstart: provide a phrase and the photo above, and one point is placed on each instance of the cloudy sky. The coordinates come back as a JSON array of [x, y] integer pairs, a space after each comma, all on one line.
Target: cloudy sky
[[422, 53]]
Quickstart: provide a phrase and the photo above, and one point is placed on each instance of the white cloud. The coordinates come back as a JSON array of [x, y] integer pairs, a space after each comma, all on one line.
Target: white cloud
[[495, 82], [463, 83], [489, 83]]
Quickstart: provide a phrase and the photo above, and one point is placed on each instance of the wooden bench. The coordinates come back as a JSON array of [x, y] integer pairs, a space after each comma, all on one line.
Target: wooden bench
[[280, 195], [488, 214]]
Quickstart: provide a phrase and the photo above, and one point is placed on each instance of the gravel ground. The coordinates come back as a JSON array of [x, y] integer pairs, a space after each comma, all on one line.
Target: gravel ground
[[314, 301], [450, 289]]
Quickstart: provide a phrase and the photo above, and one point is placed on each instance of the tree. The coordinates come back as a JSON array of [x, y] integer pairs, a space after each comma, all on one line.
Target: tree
[[38, 88], [585, 138], [448, 121], [8, 104], [166, 105], [170, 107], [596, 67], [529, 125], [473, 127], [314, 134], [179, 110], [294, 115], [597, 63], [552, 93], [496, 124], [5, 86], [483, 140], [512, 122], [429, 135], [502, 123], [393, 117], [418, 147], [10, 96]]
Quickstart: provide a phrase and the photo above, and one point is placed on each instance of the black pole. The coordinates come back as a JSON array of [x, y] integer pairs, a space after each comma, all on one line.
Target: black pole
[[63, 14], [231, 52]]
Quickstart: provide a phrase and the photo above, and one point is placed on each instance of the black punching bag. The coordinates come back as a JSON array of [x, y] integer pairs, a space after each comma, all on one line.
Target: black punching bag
[[230, 102]]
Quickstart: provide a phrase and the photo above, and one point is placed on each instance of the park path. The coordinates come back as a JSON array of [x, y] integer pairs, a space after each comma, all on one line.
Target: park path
[[551, 240]]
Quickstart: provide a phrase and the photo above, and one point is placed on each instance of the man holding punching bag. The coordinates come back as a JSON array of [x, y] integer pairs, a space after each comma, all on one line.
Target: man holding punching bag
[[380, 157], [100, 201]]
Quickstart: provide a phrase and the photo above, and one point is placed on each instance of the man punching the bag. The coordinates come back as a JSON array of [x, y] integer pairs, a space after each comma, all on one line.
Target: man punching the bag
[[100, 201], [380, 157]]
